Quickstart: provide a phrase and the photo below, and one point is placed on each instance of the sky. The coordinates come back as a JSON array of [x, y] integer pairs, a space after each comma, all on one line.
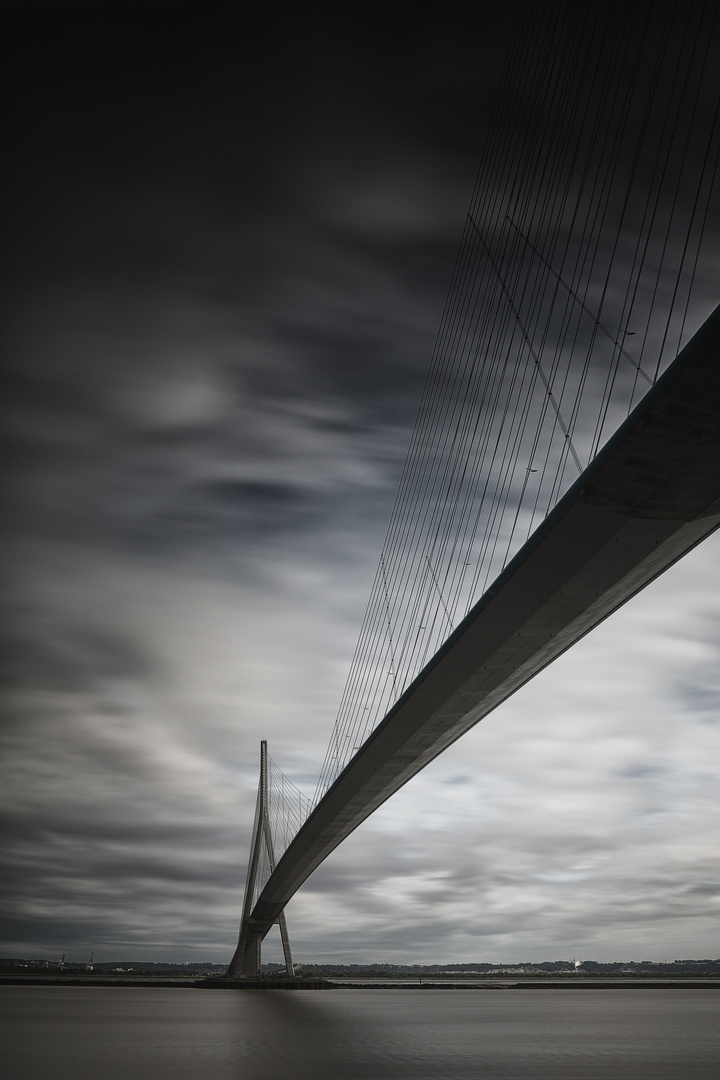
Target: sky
[[231, 234]]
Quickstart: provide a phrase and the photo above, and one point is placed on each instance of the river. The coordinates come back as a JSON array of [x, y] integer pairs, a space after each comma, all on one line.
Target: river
[[54, 1033]]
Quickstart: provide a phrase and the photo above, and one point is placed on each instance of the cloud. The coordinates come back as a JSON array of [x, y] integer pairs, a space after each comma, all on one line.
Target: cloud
[[575, 820], [223, 305]]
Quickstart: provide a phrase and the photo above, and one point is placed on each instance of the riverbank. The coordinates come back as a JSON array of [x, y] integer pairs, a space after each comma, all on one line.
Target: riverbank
[[265, 983]]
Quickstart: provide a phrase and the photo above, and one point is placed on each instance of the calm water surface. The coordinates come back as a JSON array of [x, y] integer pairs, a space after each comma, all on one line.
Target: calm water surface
[[158, 1034]]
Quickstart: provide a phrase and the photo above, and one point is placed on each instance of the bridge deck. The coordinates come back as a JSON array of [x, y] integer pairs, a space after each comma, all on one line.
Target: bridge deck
[[650, 496]]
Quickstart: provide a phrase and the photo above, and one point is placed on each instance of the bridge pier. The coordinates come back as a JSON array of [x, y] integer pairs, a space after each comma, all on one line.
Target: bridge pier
[[246, 962], [247, 959]]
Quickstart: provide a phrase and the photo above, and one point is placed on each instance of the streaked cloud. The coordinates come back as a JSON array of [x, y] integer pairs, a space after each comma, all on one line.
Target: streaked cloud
[[220, 327]]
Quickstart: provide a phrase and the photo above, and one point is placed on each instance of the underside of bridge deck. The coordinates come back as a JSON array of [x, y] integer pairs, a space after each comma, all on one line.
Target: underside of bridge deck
[[650, 496]]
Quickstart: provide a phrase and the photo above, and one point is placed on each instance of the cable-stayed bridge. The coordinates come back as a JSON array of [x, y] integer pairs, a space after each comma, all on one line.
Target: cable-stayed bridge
[[567, 446]]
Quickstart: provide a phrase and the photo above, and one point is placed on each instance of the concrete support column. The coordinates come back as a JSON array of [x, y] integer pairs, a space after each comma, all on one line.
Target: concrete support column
[[246, 962]]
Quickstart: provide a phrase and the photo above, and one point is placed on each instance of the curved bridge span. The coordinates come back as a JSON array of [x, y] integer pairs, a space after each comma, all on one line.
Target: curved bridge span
[[651, 495]]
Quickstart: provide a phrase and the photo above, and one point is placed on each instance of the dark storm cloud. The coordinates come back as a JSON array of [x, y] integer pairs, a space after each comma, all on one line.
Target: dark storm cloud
[[136, 375], [231, 237], [65, 656], [232, 232]]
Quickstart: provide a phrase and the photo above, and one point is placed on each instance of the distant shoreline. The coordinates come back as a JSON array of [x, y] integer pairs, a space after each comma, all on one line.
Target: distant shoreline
[[269, 983]]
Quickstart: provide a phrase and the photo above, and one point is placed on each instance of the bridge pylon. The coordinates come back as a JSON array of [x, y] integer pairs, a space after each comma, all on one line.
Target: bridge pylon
[[247, 959]]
